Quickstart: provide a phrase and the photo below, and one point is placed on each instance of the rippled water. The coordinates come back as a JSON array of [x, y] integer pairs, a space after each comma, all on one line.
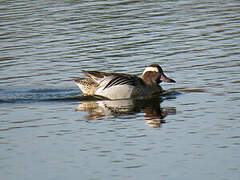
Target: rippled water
[[48, 131]]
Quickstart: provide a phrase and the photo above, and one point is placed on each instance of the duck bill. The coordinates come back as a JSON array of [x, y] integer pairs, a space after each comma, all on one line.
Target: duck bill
[[166, 79]]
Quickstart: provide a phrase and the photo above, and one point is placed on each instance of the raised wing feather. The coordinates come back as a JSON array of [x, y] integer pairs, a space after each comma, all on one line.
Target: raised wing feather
[[121, 80], [108, 80]]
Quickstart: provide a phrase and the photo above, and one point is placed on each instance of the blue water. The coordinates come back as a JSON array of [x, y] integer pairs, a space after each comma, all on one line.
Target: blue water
[[48, 130]]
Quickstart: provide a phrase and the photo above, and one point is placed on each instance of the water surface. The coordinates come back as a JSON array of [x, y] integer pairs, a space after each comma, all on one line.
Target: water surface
[[48, 131]]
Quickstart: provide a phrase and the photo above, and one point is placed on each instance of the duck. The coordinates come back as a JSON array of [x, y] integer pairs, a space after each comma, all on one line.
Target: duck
[[112, 85]]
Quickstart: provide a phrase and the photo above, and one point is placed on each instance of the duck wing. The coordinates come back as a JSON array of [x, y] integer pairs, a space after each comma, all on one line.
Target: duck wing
[[107, 80]]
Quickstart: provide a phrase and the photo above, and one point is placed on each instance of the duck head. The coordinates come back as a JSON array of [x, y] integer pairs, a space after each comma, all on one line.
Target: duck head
[[153, 74]]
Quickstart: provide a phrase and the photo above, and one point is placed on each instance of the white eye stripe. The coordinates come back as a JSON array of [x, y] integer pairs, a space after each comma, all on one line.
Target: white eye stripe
[[154, 69]]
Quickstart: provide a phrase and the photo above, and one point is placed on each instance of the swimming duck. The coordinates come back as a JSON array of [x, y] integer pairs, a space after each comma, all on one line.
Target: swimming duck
[[123, 86]]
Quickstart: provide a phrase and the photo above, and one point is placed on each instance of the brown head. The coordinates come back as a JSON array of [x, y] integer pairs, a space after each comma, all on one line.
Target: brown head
[[153, 74]]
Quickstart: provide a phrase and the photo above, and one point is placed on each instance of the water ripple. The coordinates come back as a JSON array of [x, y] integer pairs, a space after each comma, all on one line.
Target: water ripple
[[45, 44]]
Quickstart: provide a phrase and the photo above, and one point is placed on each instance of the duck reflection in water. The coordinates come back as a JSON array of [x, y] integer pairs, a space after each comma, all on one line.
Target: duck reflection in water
[[103, 109]]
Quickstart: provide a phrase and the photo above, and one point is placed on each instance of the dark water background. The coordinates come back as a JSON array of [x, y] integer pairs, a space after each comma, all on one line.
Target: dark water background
[[48, 132]]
